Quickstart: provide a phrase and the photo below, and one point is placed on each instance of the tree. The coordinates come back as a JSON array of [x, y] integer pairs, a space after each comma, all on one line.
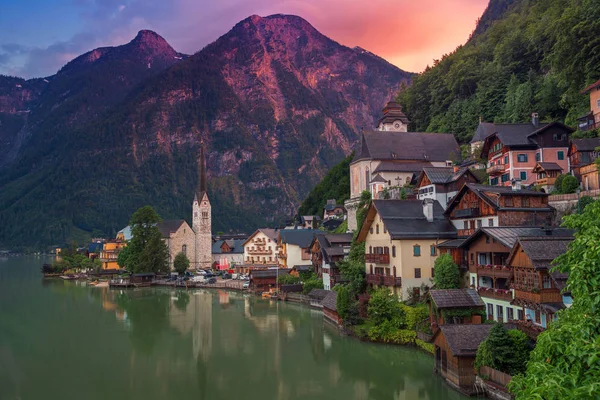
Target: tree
[[287, 279], [565, 363], [314, 282], [146, 252], [384, 306], [446, 273], [124, 258], [181, 263], [570, 184], [504, 350]]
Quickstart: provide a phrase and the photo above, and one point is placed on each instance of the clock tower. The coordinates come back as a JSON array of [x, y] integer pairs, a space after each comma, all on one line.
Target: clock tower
[[393, 118], [201, 218]]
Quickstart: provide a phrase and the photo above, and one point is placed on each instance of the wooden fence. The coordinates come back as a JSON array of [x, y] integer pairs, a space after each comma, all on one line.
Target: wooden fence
[[573, 196], [495, 376]]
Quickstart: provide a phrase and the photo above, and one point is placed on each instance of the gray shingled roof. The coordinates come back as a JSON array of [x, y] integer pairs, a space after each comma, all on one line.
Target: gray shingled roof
[[405, 219], [378, 178], [508, 235], [330, 301], [300, 237], [426, 147], [543, 250], [589, 144], [456, 298], [318, 294], [332, 244], [444, 174], [464, 340], [549, 166], [451, 244], [237, 246], [268, 273], [484, 129], [393, 112], [168, 226], [398, 166]]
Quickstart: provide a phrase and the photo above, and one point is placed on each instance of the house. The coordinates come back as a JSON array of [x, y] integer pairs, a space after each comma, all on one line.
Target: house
[[326, 250], [228, 253], [142, 278], [455, 349], [316, 297], [484, 129], [294, 246], [582, 155], [546, 174], [443, 183], [179, 238], [330, 308], [477, 206], [392, 157], [454, 306], [513, 150], [333, 210], [309, 222], [487, 252], [266, 279], [331, 224], [262, 248], [400, 239], [124, 234], [110, 253], [539, 292], [94, 249], [591, 120]]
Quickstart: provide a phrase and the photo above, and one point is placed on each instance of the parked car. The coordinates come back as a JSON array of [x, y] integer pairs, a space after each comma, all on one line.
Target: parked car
[[202, 272], [212, 280], [246, 285], [226, 276]]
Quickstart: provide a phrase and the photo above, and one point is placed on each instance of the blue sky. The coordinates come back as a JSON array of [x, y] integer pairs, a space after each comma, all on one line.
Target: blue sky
[[37, 37]]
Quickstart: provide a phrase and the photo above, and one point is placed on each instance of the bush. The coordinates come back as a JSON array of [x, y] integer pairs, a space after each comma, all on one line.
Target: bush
[[287, 279], [384, 307], [428, 347], [314, 282], [569, 184], [414, 314], [181, 263], [504, 350], [447, 275], [584, 201]]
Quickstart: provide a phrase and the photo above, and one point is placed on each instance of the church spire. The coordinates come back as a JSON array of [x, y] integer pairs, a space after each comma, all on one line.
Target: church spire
[[201, 188]]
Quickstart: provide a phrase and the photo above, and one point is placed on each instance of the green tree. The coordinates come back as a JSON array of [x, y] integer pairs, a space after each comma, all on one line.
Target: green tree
[[314, 282], [569, 184], [287, 279], [124, 258], [147, 251], [181, 263], [384, 306], [446, 273], [504, 350], [565, 363]]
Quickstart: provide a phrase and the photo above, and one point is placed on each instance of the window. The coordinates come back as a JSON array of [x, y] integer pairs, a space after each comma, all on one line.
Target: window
[[204, 214], [432, 250], [505, 178], [393, 251], [525, 201], [465, 224], [555, 136], [479, 223], [520, 315], [370, 249], [417, 272], [522, 157], [433, 272], [416, 250], [487, 239], [510, 313], [598, 103], [563, 137], [494, 181], [371, 230], [184, 249], [473, 281], [491, 222], [500, 313], [523, 175], [508, 202], [490, 311], [384, 230], [505, 160], [377, 229], [537, 156], [561, 155]]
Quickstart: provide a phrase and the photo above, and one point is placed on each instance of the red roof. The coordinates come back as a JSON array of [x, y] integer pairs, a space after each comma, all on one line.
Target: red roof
[[592, 86]]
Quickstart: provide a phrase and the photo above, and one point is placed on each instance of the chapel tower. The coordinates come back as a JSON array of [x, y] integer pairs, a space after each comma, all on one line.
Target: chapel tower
[[201, 221], [393, 118]]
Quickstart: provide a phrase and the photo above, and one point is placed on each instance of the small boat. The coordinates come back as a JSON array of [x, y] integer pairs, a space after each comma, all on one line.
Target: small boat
[[68, 277]]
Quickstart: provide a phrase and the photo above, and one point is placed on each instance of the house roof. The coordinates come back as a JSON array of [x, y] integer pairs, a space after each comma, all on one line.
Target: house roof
[[378, 178], [126, 232], [547, 166], [542, 250], [590, 87], [169, 226], [330, 301], [399, 166], [490, 195], [236, 245], [519, 135], [299, 237], [332, 224], [393, 112], [425, 147], [332, 244], [303, 268], [588, 144], [451, 244], [404, 219], [268, 273], [508, 235], [484, 129], [455, 298], [444, 175], [464, 340], [318, 294], [272, 234]]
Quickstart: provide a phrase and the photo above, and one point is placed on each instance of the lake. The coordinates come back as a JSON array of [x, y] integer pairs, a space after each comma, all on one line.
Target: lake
[[64, 340]]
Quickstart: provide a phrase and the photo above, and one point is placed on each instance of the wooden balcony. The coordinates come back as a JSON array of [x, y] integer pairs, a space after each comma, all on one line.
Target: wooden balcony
[[375, 279], [542, 296], [260, 252], [392, 281], [465, 232], [495, 271], [529, 328], [467, 213], [545, 181], [498, 294], [496, 169], [377, 258]]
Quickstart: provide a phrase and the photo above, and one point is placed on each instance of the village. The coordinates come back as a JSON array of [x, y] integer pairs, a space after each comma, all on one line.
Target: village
[[493, 214]]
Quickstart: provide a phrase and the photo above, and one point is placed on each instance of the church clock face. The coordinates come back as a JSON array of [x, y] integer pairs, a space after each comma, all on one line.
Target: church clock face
[[396, 125]]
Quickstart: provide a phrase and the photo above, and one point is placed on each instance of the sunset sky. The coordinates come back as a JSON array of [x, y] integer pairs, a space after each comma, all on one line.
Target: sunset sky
[[37, 37]]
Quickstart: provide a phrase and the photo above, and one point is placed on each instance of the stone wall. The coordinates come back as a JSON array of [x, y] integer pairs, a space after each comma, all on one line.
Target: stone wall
[[184, 236]]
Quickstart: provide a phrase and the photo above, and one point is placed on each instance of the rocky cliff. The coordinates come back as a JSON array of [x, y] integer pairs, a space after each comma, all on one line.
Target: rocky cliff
[[275, 102]]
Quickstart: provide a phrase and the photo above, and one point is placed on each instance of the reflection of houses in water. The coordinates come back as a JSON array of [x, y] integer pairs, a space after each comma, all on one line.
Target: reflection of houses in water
[[269, 322], [223, 297], [196, 318], [108, 304]]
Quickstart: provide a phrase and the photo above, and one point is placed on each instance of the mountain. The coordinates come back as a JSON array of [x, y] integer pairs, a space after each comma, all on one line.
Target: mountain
[[275, 103], [523, 57]]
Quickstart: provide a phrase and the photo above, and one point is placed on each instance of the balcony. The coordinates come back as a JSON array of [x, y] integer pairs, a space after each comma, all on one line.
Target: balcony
[[392, 281], [538, 296], [495, 271], [497, 169], [281, 255], [260, 252], [467, 213], [498, 294], [545, 181], [375, 279], [465, 232], [529, 328], [377, 258]]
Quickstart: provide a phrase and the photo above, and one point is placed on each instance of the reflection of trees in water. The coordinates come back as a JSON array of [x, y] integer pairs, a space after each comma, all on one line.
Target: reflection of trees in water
[[147, 312], [182, 301]]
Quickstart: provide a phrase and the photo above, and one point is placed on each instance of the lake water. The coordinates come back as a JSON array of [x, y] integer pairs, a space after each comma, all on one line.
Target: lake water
[[62, 340]]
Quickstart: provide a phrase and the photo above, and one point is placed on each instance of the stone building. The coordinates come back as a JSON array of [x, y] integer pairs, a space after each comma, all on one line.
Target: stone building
[[202, 220], [180, 238]]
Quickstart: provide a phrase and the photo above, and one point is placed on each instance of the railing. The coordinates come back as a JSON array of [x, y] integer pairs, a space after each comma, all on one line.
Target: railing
[[496, 169], [375, 279], [545, 181], [495, 271], [466, 232], [495, 376], [260, 252], [467, 213], [498, 294], [377, 258], [281, 255], [539, 296], [389, 280]]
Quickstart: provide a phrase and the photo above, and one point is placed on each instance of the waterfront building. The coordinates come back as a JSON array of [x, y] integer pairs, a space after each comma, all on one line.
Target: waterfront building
[[202, 219], [326, 251], [392, 157], [179, 238], [330, 308], [442, 183], [228, 252], [455, 306], [262, 280], [262, 248], [400, 243], [294, 246], [110, 253]]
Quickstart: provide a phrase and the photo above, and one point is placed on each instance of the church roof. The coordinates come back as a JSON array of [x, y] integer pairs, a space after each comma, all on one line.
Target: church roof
[[169, 226], [201, 188], [393, 112], [419, 146]]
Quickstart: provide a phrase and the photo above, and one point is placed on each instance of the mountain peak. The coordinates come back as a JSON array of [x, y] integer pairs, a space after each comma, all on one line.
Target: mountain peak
[[150, 39]]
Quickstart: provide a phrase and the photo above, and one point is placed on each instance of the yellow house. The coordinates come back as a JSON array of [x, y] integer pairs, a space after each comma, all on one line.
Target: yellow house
[[110, 252], [262, 248], [400, 243]]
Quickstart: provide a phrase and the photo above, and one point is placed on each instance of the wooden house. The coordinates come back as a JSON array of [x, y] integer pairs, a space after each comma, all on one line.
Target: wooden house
[[266, 279], [583, 153], [443, 183], [591, 120], [538, 291], [455, 348], [142, 278], [316, 297], [454, 306], [546, 174], [326, 251], [330, 308]]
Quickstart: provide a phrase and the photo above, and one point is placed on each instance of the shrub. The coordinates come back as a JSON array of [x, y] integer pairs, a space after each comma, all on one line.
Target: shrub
[[414, 314], [314, 282], [428, 347], [287, 279], [181, 263], [385, 307], [447, 275], [569, 184]]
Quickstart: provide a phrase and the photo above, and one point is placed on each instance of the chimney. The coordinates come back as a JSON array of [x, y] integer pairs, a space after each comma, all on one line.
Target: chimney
[[428, 209], [515, 184], [535, 120], [456, 168], [480, 119]]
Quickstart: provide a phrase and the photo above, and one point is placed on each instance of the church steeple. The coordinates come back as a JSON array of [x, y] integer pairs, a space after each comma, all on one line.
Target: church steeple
[[201, 187], [202, 220]]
